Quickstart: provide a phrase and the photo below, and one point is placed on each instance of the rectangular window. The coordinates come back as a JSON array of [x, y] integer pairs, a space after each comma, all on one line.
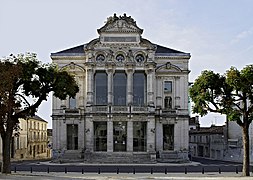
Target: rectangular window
[[100, 136], [72, 103], [100, 88], [119, 88], [139, 89], [168, 86], [139, 136]]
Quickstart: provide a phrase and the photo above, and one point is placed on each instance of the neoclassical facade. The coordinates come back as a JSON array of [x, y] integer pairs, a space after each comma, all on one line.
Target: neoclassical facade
[[133, 99]]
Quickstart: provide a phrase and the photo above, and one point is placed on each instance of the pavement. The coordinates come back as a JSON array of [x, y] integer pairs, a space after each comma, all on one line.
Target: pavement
[[26, 175], [123, 176]]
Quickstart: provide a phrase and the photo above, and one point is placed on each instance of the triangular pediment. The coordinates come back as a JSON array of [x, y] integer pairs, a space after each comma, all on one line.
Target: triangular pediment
[[121, 24]]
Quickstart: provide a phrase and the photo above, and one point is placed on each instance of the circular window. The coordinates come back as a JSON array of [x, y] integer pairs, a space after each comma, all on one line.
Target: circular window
[[139, 58], [100, 57], [120, 58]]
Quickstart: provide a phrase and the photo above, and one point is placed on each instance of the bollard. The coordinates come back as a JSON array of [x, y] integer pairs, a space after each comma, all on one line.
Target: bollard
[[203, 171], [165, 171], [219, 171], [185, 170], [82, 171], [31, 169], [134, 171], [236, 170], [15, 169], [98, 170], [47, 169], [117, 170], [66, 170], [151, 171]]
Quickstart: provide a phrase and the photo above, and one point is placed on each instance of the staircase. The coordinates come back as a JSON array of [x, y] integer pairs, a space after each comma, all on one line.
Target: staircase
[[170, 157], [69, 156], [117, 157]]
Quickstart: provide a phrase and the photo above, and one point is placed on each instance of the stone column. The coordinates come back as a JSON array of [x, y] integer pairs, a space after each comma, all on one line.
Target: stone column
[[110, 73], [89, 134], [81, 91], [63, 136], [158, 92], [109, 135], [130, 73], [81, 132], [130, 135], [56, 131], [150, 86], [177, 92], [151, 134], [89, 85]]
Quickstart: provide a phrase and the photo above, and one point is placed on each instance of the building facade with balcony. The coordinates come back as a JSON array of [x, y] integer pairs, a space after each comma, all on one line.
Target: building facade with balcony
[[133, 99]]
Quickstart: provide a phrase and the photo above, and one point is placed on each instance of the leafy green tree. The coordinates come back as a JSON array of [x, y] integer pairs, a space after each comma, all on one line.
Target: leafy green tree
[[25, 83], [230, 94]]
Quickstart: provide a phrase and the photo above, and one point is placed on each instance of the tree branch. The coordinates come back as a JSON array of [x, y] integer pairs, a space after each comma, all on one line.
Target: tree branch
[[23, 99]]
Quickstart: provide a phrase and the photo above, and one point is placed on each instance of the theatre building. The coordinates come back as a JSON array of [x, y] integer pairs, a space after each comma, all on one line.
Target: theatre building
[[132, 105]]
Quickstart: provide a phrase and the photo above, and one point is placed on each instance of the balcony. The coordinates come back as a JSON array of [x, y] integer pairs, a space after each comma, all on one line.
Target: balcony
[[119, 109]]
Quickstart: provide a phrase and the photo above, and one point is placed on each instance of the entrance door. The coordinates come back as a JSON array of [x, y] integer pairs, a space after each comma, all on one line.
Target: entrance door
[[72, 136], [168, 137], [119, 136], [100, 135]]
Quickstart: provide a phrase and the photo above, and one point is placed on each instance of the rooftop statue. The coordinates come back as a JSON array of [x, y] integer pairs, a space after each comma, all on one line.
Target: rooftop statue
[[114, 18]]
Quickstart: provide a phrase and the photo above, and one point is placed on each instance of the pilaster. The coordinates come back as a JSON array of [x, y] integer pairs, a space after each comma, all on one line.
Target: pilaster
[[89, 85], [130, 73], [89, 133], [109, 135], [130, 135]]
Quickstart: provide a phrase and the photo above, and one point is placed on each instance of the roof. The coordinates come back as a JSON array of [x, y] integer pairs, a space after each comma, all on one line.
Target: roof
[[208, 130], [36, 117], [161, 49], [80, 50], [70, 51]]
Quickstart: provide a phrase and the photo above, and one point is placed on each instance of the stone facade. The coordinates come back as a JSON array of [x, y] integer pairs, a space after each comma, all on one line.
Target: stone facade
[[30, 140], [208, 142], [133, 98]]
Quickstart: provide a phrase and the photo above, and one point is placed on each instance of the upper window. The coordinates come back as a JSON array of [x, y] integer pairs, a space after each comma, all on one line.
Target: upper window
[[101, 88], [100, 58], [139, 89], [72, 103], [168, 86], [119, 88], [120, 58], [139, 58]]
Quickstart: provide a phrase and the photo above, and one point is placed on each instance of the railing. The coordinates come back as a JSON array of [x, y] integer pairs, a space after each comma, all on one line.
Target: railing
[[119, 109]]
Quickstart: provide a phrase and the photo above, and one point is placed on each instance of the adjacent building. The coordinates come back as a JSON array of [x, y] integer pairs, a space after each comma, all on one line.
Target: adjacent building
[[29, 141], [208, 142], [133, 100]]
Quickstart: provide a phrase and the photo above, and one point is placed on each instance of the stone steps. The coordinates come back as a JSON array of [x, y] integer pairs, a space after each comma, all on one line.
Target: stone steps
[[115, 157], [169, 157]]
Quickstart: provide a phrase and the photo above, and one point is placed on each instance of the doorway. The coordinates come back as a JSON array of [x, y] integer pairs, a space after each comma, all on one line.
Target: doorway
[[168, 137]]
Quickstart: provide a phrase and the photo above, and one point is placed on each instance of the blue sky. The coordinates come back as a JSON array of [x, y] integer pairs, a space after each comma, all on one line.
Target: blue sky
[[217, 33]]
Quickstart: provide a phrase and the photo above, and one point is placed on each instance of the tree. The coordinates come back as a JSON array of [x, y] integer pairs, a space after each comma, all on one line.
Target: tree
[[25, 83], [230, 94]]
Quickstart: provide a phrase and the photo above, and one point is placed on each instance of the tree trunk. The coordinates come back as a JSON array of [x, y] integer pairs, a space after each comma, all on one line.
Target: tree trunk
[[6, 166], [246, 165]]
